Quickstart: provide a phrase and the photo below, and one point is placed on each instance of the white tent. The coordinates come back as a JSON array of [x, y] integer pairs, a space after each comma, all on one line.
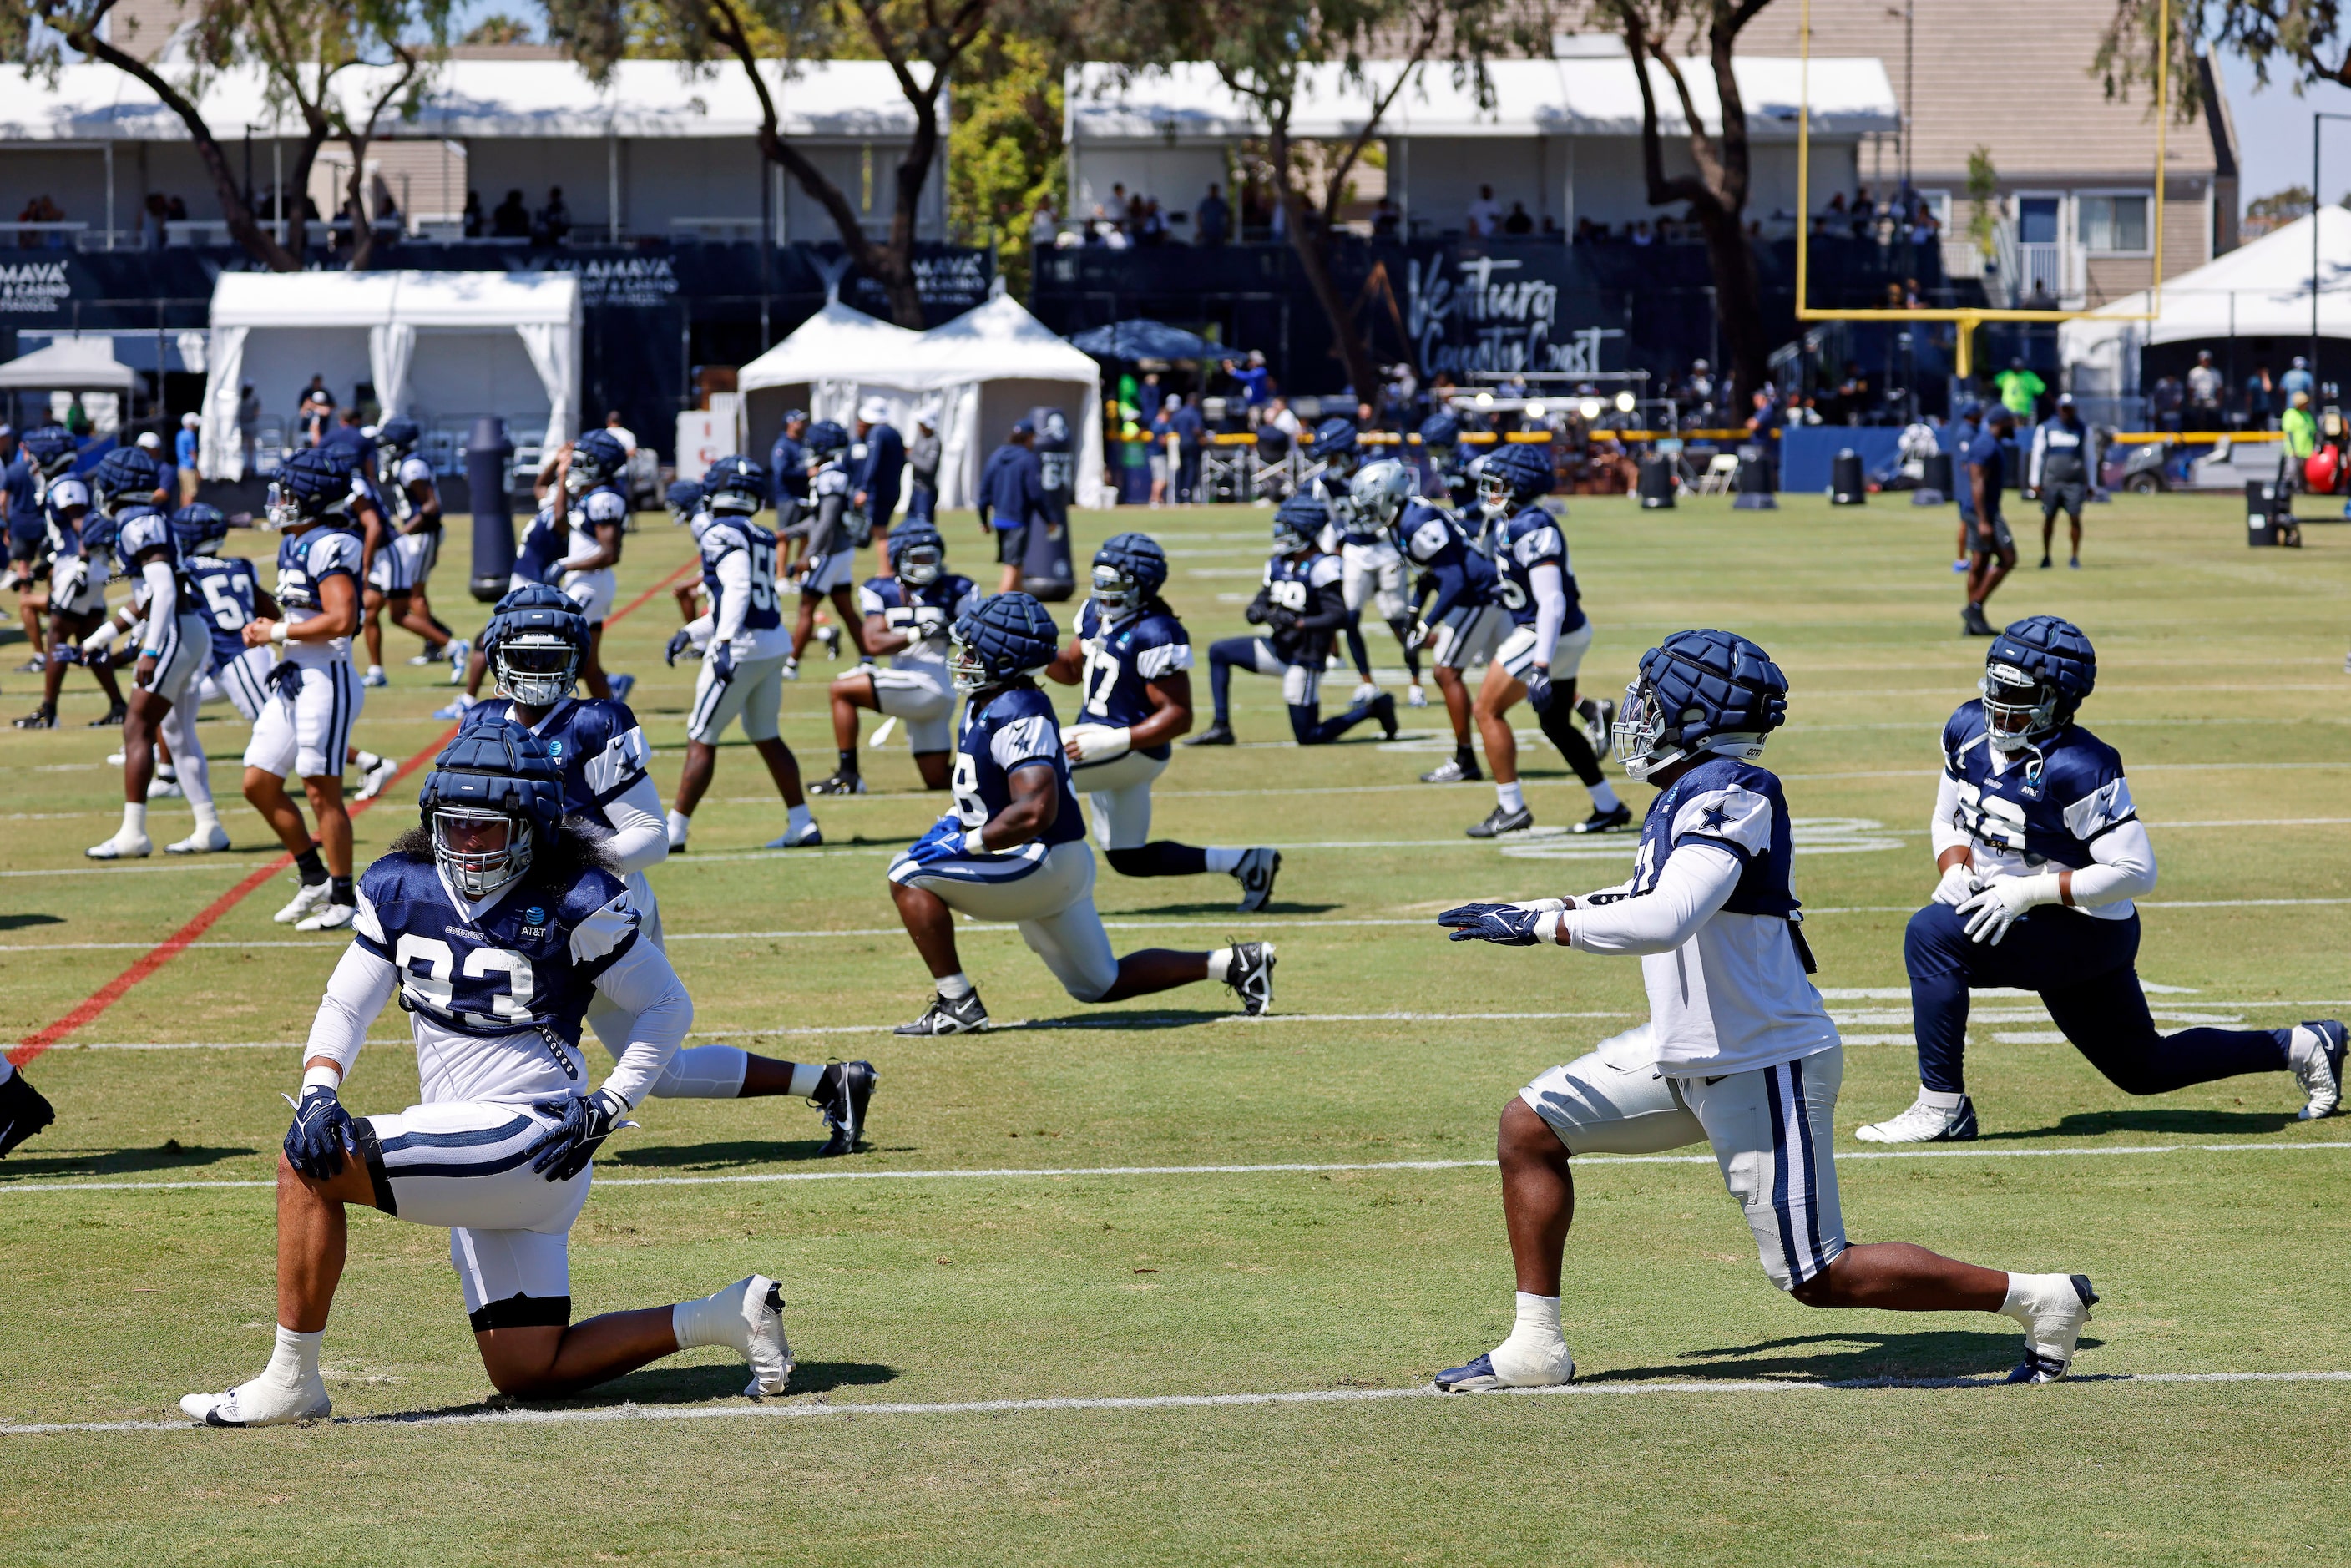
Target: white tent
[[496, 343], [2258, 290], [69, 365], [976, 375]]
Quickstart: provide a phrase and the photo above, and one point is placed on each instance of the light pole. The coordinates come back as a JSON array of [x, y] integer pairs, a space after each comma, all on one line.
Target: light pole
[[2318, 122]]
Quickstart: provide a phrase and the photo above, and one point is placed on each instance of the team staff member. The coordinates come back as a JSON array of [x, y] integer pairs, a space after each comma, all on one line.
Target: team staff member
[[880, 470], [788, 466], [2060, 475], [1012, 497], [1992, 549]]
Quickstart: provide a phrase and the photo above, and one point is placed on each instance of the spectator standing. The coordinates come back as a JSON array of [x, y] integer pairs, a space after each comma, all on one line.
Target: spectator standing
[[512, 218], [620, 433], [1013, 499], [1520, 221], [1212, 219], [1478, 222], [470, 223], [2206, 388], [787, 469], [2164, 405], [1044, 225], [248, 422], [2019, 390], [1162, 449], [2301, 430], [184, 451], [1256, 385], [1387, 219], [2298, 378], [2260, 400], [878, 472], [1278, 415], [922, 467], [555, 218], [1191, 438]]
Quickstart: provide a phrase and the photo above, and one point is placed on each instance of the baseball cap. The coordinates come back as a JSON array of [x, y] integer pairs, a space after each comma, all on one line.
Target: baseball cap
[[1023, 427]]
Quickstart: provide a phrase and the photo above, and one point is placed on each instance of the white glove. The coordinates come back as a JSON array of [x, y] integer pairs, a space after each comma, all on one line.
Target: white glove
[[1100, 743], [2003, 899], [1959, 884], [105, 637]]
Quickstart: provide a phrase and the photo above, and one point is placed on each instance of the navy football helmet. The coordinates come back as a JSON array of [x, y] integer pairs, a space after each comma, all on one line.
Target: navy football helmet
[[918, 553], [533, 596], [1333, 445], [1129, 571], [535, 652], [493, 796], [1511, 477], [199, 530], [125, 475], [398, 436], [2036, 673], [312, 483], [736, 486], [684, 498], [824, 441], [1440, 431], [597, 458], [52, 449], [1698, 691], [1297, 522], [1000, 639]]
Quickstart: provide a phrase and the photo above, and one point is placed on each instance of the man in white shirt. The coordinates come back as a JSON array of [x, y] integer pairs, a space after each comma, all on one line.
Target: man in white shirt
[[1484, 219]]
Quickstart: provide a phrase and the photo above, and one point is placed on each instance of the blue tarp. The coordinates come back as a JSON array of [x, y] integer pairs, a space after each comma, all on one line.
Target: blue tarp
[[1807, 452], [1144, 339]]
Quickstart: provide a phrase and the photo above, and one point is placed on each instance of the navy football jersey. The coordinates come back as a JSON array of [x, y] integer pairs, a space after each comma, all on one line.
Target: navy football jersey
[[413, 470], [1011, 729], [601, 506], [595, 741], [899, 604], [1338, 494], [1295, 586], [138, 529], [1726, 801], [1121, 658], [2048, 804], [530, 962], [225, 591], [723, 538], [308, 558], [1447, 560], [542, 547], [1528, 540]]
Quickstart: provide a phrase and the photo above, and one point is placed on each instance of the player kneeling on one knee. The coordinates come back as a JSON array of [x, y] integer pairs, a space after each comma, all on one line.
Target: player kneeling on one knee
[[1133, 660], [1739, 1051], [498, 926], [906, 617], [2041, 853], [1014, 850]]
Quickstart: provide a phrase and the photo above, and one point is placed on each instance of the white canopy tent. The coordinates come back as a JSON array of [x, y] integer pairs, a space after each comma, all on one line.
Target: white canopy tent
[[975, 375], [69, 364], [501, 343], [2258, 290]]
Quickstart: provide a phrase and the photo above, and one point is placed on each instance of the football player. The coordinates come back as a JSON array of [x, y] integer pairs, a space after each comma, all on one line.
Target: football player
[[827, 532], [1440, 448], [589, 498], [906, 616], [49, 451], [1546, 646], [410, 506], [1372, 569], [173, 642], [1132, 660], [1014, 850], [498, 927], [536, 644], [305, 726], [79, 542], [2041, 853], [745, 654], [1739, 1051], [1456, 596], [1301, 606]]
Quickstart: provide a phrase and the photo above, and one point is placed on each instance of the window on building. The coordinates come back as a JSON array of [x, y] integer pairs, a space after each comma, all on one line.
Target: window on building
[[2115, 223]]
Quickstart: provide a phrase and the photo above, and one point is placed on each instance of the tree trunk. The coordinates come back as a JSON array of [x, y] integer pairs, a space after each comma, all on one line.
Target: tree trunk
[[1311, 239], [355, 199], [1738, 303]]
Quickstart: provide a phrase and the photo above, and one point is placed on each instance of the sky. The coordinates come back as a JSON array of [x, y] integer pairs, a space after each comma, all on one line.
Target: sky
[[2273, 133]]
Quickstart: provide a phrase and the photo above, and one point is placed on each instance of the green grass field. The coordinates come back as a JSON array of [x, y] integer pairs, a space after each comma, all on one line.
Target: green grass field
[[1018, 1261]]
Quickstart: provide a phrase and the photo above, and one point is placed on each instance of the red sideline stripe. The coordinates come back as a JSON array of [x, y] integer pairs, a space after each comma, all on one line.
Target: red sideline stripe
[[114, 990]]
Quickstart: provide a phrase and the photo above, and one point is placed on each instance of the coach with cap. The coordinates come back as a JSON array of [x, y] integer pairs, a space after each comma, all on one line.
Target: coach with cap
[[787, 469], [881, 466], [1012, 497]]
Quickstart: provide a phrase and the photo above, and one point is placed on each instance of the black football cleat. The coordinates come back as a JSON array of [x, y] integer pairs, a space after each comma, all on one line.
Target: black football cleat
[[1217, 733], [23, 1113], [1383, 709], [42, 718], [843, 1095], [840, 784], [111, 717], [1500, 821], [944, 1017], [1256, 872], [1251, 975], [1973, 625], [1606, 821]]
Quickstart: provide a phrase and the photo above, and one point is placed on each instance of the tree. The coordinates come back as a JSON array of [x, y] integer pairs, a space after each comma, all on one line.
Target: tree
[[922, 40], [2308, 40], [1717, 189], [1005, 152], [1269, 52], [498, 28]]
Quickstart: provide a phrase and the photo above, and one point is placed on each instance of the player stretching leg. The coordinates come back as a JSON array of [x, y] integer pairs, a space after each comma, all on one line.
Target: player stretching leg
[[1465, 622], [1539, 659], [906, 616], [1302, 606], [305, 726], [1373, 570], [79, 542], [499, 927], [536, 644], [2042, 853], [1133, 659], [829, 548], [410, 510], [172, 644], [745, 653], [1014, 850], [1737, 1052]]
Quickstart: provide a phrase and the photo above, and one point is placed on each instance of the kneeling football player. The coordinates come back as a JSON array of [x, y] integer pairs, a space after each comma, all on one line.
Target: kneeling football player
[[1014, 848], [906, 616], [1737, 1053], [499, 924]]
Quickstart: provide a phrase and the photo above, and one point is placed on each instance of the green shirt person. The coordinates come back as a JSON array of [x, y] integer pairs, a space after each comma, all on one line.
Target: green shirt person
[[2301, 428], [2020, 389]]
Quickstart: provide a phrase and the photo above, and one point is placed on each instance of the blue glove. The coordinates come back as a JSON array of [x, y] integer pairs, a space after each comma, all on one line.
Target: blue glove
[[679, 642], [285, 678], [582, 1123], [315, 1143], [945, 841], [722, 661], [1538, 683], [1504, 923]]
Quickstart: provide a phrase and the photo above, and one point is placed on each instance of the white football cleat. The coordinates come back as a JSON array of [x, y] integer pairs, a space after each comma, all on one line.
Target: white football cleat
[[375, 678], [1508, 1366], [114, 759], [208, 840], [755, 1327], [2052, 1308], [384, 772], [122, 846], [162, 788], [791, 669], [260, 1403], [1415, 695], [1364, 691], [327, 917], [305, 899], [2315, 1050], [459, 651], [1925, 1123]]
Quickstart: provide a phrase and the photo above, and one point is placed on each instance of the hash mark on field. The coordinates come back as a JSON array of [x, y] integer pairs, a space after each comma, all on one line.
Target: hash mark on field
[[815, 1410]]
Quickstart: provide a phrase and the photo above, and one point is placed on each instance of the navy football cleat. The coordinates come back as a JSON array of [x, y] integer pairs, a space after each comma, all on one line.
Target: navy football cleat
[[22, 1112], [1475, 1377], [843, 1095], [1217, 733], [944, 1017], [1501, 820]]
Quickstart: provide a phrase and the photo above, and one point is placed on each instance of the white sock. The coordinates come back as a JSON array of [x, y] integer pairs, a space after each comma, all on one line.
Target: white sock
[[295, 1361], [678, 821], [1535, 1349], [1938, 1099], [713, 1319], [375, 669], [806, 1076], [1603, 797], [1225, 860], [955, 987], [167, 771], [800, 817], [1512, 798], [207, 815], [134, 817], [1220, 963]]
